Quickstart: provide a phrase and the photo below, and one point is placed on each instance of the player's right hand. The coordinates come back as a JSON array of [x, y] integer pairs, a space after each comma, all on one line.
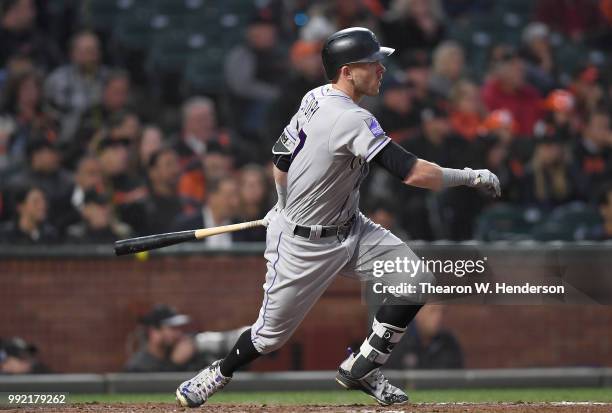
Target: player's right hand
[[271, 215], [485, 179]]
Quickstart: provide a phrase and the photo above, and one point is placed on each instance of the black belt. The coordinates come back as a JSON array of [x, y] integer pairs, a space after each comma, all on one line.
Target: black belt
[[327, 231]]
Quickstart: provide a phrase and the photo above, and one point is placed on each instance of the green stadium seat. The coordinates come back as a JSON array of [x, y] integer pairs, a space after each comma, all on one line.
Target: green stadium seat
[[205, 23], [503, 222], [553, 231], [99, 14], [576, 213], [170, 50], [521, 7], [56, 7], [204, 71], [133, 30], [241, 7], [567, 223], [103, 14], [170, 7]]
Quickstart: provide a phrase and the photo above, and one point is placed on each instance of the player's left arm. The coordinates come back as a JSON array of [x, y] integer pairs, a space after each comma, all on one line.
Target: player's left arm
[[279, 171], [424, 174], [280, 179]]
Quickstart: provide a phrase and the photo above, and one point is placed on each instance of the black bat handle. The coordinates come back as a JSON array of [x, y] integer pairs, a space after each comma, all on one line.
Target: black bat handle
[[151, 242]]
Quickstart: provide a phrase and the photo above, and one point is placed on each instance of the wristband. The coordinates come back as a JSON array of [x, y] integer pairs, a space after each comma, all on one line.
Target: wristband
[[456, 177]]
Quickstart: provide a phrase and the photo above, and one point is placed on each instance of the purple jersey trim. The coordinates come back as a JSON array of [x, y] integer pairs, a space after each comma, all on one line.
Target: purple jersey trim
[[376, 149], [290, 135]]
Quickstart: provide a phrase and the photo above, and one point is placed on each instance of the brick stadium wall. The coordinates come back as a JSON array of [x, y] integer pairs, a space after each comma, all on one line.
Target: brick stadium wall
[[81, 312]]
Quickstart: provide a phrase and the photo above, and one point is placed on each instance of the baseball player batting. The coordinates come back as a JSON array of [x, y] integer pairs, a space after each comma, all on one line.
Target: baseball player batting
[[316, 230]]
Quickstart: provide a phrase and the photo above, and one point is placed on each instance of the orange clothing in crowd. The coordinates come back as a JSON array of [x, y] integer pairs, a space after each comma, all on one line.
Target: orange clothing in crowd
[[192, 184], [468, 125]]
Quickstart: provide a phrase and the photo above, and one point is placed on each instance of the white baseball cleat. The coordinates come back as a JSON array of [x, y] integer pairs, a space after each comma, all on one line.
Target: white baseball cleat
[[374, 384], [196, 391]]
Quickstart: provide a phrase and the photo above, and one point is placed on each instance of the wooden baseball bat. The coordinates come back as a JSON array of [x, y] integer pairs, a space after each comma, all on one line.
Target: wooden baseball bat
[[151, 242]]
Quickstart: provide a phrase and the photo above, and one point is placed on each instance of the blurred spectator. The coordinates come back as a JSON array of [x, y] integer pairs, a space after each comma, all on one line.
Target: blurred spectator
[[413, 24], [76, 87], [199, 132], [318, 27], [506, 89], [586, 90], [418, 71], [23, 118], [448, 66], [150, 140], [44, 171], [29, 225], [124, 125], [460, 8], [499, 151], [466, 110], [604, 230], [436, 139], [427, 345], [20, 357], [254, 202], [4, 211], [166, 347], [559, 118], [593, 154], [163, 205], [326, 18], [15, 65], [222, 206], [307, 74], [98, 224], [218, 162], [438, 144], [397, 111], [254, 72], [115, 98], [88, 178], [573, 18], [127, 192], [19, 35], [384, 216], [541, 70], [548, 181], [351, 13], [502, 125], [198, 128]]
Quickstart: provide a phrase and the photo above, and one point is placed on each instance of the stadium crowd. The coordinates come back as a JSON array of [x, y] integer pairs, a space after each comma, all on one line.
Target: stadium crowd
[[96, 145]]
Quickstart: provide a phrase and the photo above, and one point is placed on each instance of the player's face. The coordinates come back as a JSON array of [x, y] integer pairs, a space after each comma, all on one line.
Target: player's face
[[367, 77]]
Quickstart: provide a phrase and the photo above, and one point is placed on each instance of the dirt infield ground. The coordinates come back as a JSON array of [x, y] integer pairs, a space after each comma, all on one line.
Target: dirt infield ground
[[251, 408]]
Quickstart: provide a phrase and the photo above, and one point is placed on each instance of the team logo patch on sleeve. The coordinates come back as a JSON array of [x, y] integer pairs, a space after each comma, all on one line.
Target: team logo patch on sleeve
[[285, 145], [375, 127]]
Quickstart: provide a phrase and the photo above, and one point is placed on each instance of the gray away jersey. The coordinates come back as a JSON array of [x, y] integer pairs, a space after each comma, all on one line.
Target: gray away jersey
[[331, 140]]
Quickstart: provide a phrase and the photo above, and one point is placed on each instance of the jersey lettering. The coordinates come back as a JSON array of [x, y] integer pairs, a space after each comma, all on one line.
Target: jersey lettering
[[310, 107]]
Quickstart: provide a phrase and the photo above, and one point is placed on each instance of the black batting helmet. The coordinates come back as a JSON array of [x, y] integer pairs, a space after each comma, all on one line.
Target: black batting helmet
[[352, 45]]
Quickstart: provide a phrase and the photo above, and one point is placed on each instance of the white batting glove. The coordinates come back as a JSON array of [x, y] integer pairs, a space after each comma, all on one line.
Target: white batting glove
[[271, 215], [484, 179]]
